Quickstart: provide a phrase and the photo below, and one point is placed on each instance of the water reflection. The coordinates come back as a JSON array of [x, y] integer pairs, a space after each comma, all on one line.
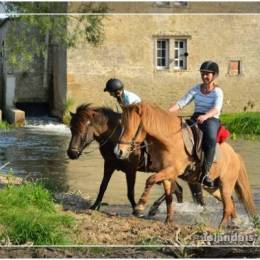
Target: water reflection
[[37, 154]]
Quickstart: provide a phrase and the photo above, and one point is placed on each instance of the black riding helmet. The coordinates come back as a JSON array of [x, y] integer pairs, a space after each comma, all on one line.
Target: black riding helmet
[[209, 66], [113, 85]]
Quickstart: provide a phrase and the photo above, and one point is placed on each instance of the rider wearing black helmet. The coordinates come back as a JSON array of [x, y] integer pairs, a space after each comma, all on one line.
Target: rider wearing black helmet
[[115, 87], [208, 99]]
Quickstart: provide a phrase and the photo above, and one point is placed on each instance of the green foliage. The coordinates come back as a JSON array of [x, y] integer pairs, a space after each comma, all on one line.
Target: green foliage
[[256, 222], [30, 36], [4, 125], [152, 244], [28, 214], [247, 123], [67, 109]]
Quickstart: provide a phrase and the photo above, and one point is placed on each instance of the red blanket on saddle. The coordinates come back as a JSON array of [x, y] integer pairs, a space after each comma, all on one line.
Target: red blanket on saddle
[[223, 134]]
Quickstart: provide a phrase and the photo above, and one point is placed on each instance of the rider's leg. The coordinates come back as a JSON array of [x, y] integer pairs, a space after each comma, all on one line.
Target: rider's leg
[[210, 129]]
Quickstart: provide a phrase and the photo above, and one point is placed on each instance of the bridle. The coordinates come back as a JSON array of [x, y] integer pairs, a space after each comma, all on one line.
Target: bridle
[[100, 143], [133, 143]]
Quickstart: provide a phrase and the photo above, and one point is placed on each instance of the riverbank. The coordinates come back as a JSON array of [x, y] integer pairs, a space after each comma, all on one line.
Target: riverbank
[[100, 234]]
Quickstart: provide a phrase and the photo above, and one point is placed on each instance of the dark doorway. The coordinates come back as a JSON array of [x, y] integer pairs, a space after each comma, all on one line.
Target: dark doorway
[[34, 109]]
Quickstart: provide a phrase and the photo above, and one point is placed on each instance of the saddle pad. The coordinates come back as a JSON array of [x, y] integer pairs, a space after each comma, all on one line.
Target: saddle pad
[[189, 142]]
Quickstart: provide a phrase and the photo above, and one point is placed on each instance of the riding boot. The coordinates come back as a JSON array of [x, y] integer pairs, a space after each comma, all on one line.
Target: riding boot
[[208, 160]]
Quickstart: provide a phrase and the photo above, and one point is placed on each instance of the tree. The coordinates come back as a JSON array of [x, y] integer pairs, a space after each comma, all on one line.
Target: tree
[[35, 26]]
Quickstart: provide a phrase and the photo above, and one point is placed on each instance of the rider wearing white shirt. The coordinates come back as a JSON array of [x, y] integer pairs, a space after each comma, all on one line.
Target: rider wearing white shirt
[[208, 99], [124, 97]]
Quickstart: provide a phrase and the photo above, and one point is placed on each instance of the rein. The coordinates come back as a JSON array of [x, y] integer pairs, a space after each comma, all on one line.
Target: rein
[[133, 142], [134, 145]]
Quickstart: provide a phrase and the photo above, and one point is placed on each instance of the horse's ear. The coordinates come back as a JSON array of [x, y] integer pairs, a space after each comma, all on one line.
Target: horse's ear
[[72, 114]]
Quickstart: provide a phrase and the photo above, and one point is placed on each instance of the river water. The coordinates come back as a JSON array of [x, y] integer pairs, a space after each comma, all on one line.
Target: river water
[[39, 150]]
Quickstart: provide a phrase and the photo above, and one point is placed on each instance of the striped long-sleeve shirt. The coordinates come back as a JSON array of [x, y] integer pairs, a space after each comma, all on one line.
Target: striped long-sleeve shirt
[[203, 102]]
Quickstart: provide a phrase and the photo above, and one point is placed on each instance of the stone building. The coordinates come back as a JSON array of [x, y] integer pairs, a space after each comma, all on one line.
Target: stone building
[[156, 49], [38, 90]]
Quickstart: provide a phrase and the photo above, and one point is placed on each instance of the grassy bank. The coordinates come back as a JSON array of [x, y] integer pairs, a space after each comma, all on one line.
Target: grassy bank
[[246, 124], [28, 215]]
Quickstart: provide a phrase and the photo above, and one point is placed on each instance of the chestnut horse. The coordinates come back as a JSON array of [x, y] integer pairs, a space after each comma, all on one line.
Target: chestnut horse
[[142, 119], [103, 125]]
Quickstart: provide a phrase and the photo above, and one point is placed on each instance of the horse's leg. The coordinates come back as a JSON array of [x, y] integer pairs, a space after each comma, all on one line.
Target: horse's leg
[[153, 210], [168, 199], [177, 190], [196, 192], [157, 177], [130, 179], [215, 193], [229, 211], [108, 171]]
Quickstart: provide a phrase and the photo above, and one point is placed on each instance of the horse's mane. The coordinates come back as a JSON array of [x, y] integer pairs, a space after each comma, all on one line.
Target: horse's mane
[[82, 113], [107, 111], [159, 119]]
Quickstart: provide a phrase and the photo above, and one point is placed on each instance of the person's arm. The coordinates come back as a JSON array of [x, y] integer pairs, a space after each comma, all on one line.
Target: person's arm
[[174, 108], [211, 113], [215, 110], [183, 101]]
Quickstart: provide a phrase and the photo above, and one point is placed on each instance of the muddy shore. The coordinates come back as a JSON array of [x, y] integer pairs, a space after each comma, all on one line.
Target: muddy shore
[[102, 235], [109, 235]]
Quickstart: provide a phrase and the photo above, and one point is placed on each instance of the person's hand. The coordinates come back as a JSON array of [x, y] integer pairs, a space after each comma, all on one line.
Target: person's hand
[[201, 119]]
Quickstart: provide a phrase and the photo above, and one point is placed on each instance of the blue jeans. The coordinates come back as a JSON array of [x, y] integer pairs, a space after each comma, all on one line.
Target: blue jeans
[[210, 129]]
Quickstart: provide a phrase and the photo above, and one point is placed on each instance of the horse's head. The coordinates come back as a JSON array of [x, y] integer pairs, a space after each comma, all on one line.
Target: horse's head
[[83, 130], [132, 134]]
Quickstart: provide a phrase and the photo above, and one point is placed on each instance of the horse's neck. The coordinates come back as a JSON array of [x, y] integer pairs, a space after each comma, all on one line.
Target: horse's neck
[[163, 131], [109, 129]]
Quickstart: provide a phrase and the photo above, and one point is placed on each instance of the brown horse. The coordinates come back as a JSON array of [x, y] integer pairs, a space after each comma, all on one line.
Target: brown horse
[[142, 119], [104, 126]]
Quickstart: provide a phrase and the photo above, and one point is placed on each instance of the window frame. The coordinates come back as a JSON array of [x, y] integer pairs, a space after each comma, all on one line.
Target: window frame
[[230, 71], [167, 53], [170, 63], [180, 52]]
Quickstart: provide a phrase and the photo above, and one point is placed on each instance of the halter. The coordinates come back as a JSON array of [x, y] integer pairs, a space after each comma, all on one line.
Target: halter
[[133, 143]]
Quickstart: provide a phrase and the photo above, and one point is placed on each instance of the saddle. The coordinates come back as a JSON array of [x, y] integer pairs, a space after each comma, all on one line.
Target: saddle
[[192, 137]]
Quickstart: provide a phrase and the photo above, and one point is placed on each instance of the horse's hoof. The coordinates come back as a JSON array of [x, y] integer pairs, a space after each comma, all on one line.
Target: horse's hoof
[[200, 201], [95, 207], [153, 212], [179, 198], [138, 213]]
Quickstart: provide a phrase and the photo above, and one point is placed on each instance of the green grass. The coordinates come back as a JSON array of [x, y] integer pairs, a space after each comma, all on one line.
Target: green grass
[[4, 125], [246, 123], [28, 214]]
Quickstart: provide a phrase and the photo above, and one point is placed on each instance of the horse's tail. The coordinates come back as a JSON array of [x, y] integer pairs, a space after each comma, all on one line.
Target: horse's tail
[[243, 190]]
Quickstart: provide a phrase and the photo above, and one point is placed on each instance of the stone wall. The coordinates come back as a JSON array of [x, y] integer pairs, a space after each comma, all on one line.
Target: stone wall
[[128, 53], [29, 82]]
